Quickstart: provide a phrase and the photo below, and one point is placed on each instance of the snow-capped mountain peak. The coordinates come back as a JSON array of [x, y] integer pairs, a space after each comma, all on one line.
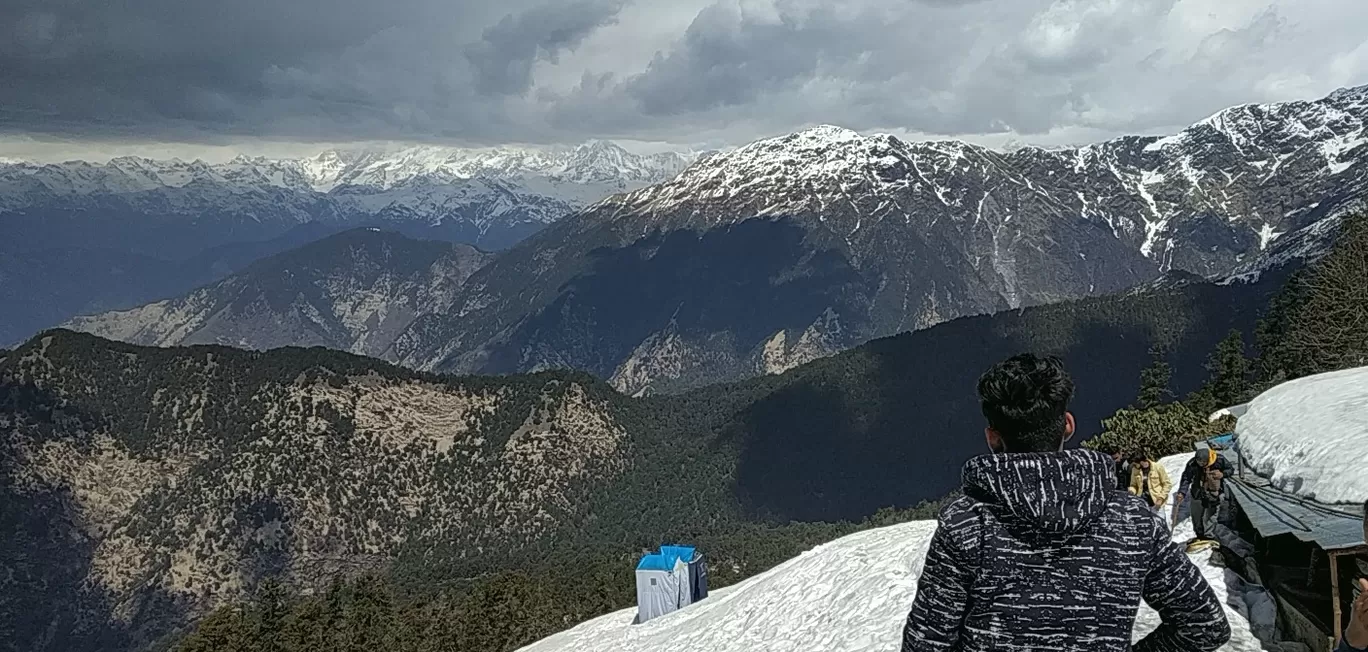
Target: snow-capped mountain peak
[[794, 165], [594, 162], [1215, 181]]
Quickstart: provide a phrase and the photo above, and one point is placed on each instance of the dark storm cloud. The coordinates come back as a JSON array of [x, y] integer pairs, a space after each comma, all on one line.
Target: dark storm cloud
[[311, 68], [488, 71], [727, 58], [123, 62], [503, 58]]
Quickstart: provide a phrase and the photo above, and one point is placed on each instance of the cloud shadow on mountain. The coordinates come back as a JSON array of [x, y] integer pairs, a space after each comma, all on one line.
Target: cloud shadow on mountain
[[722, 292], [891, 423], [46, 601]]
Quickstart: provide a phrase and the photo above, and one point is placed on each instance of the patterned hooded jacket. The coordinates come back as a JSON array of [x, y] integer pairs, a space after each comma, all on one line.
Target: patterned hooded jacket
[[1042, 552]]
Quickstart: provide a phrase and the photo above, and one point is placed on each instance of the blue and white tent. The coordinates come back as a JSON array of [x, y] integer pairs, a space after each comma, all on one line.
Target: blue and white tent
[[669, 580]]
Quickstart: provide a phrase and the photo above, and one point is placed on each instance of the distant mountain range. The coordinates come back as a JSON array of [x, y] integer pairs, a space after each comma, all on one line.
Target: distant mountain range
[[487, 197], [792, 248], [79, 238], [789, 249]]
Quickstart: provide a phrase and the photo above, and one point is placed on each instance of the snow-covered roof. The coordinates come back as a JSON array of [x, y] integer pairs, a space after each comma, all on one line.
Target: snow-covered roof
[[1309, 436], [850, 595]]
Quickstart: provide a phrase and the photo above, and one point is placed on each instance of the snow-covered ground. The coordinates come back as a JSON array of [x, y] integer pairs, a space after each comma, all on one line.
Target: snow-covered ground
[[850, 595], [1310, 436]]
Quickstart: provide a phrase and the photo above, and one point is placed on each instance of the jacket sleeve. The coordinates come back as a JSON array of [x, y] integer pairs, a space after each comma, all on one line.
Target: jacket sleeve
[[1191, 617], [1344, 646], [1189, 474], [1164, 487], [942, 600]]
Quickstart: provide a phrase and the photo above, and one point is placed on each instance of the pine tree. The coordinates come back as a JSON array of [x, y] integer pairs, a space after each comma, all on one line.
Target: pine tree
[[224, 630], [1320, 321], [370, 616], [1229, 369], [1154, 382], [268, 617], [306, 627], [1159, 431]]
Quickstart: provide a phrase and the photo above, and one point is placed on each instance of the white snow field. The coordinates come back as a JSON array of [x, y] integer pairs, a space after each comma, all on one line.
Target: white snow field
[[1310, 436], [850, 595]]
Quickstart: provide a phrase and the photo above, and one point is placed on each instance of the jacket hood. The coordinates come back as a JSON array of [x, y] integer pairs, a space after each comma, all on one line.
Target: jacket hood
[[1049, 492]]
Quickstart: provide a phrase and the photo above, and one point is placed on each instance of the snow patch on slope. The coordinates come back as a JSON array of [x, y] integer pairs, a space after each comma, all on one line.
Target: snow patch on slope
[[850, 595], [1335, 149], [1267, 235], [1156, 225]]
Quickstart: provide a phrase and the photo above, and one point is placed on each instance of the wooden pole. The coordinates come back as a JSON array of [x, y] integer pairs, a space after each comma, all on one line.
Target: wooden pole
[[1335, 594], [1311, 572]]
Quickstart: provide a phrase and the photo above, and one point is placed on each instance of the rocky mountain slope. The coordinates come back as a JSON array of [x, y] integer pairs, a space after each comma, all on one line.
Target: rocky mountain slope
[[792, 248], [355, 291], [145, 485], [44, 285], [142, 485]]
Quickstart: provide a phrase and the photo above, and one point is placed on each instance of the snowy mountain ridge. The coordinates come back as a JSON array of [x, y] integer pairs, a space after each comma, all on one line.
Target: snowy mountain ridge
[[1143, 189], [592, 162], [497, 195], [867, 236], [760, 258]]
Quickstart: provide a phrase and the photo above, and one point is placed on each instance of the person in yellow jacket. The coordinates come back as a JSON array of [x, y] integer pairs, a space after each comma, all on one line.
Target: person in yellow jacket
[[1149, 481]]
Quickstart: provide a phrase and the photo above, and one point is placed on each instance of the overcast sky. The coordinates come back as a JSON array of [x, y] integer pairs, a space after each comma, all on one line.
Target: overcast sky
[[89, 77]]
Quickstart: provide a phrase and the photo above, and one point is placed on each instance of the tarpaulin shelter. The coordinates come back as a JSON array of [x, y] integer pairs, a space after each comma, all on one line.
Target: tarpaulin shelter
[[1305, 445], [669, 580], [1236, 411]]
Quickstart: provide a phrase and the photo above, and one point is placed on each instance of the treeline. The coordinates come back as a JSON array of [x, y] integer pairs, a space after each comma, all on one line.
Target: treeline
[[406, 610], [1317, 323]]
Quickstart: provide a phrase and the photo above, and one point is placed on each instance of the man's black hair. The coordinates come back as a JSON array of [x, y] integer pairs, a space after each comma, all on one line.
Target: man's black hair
[[1024, 399]]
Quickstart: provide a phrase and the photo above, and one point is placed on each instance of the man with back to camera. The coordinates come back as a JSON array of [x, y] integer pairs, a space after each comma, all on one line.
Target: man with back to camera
[[1042, 552]]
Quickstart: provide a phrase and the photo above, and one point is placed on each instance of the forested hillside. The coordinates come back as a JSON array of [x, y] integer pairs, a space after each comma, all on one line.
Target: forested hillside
[[1314, 324], [499, 508], [149, 484]]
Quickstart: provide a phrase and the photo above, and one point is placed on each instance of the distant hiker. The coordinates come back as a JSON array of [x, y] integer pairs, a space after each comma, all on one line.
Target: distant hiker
[[1149, 481], [1194, 482], [1213, 511], [1041, 552], [1123, 470]]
